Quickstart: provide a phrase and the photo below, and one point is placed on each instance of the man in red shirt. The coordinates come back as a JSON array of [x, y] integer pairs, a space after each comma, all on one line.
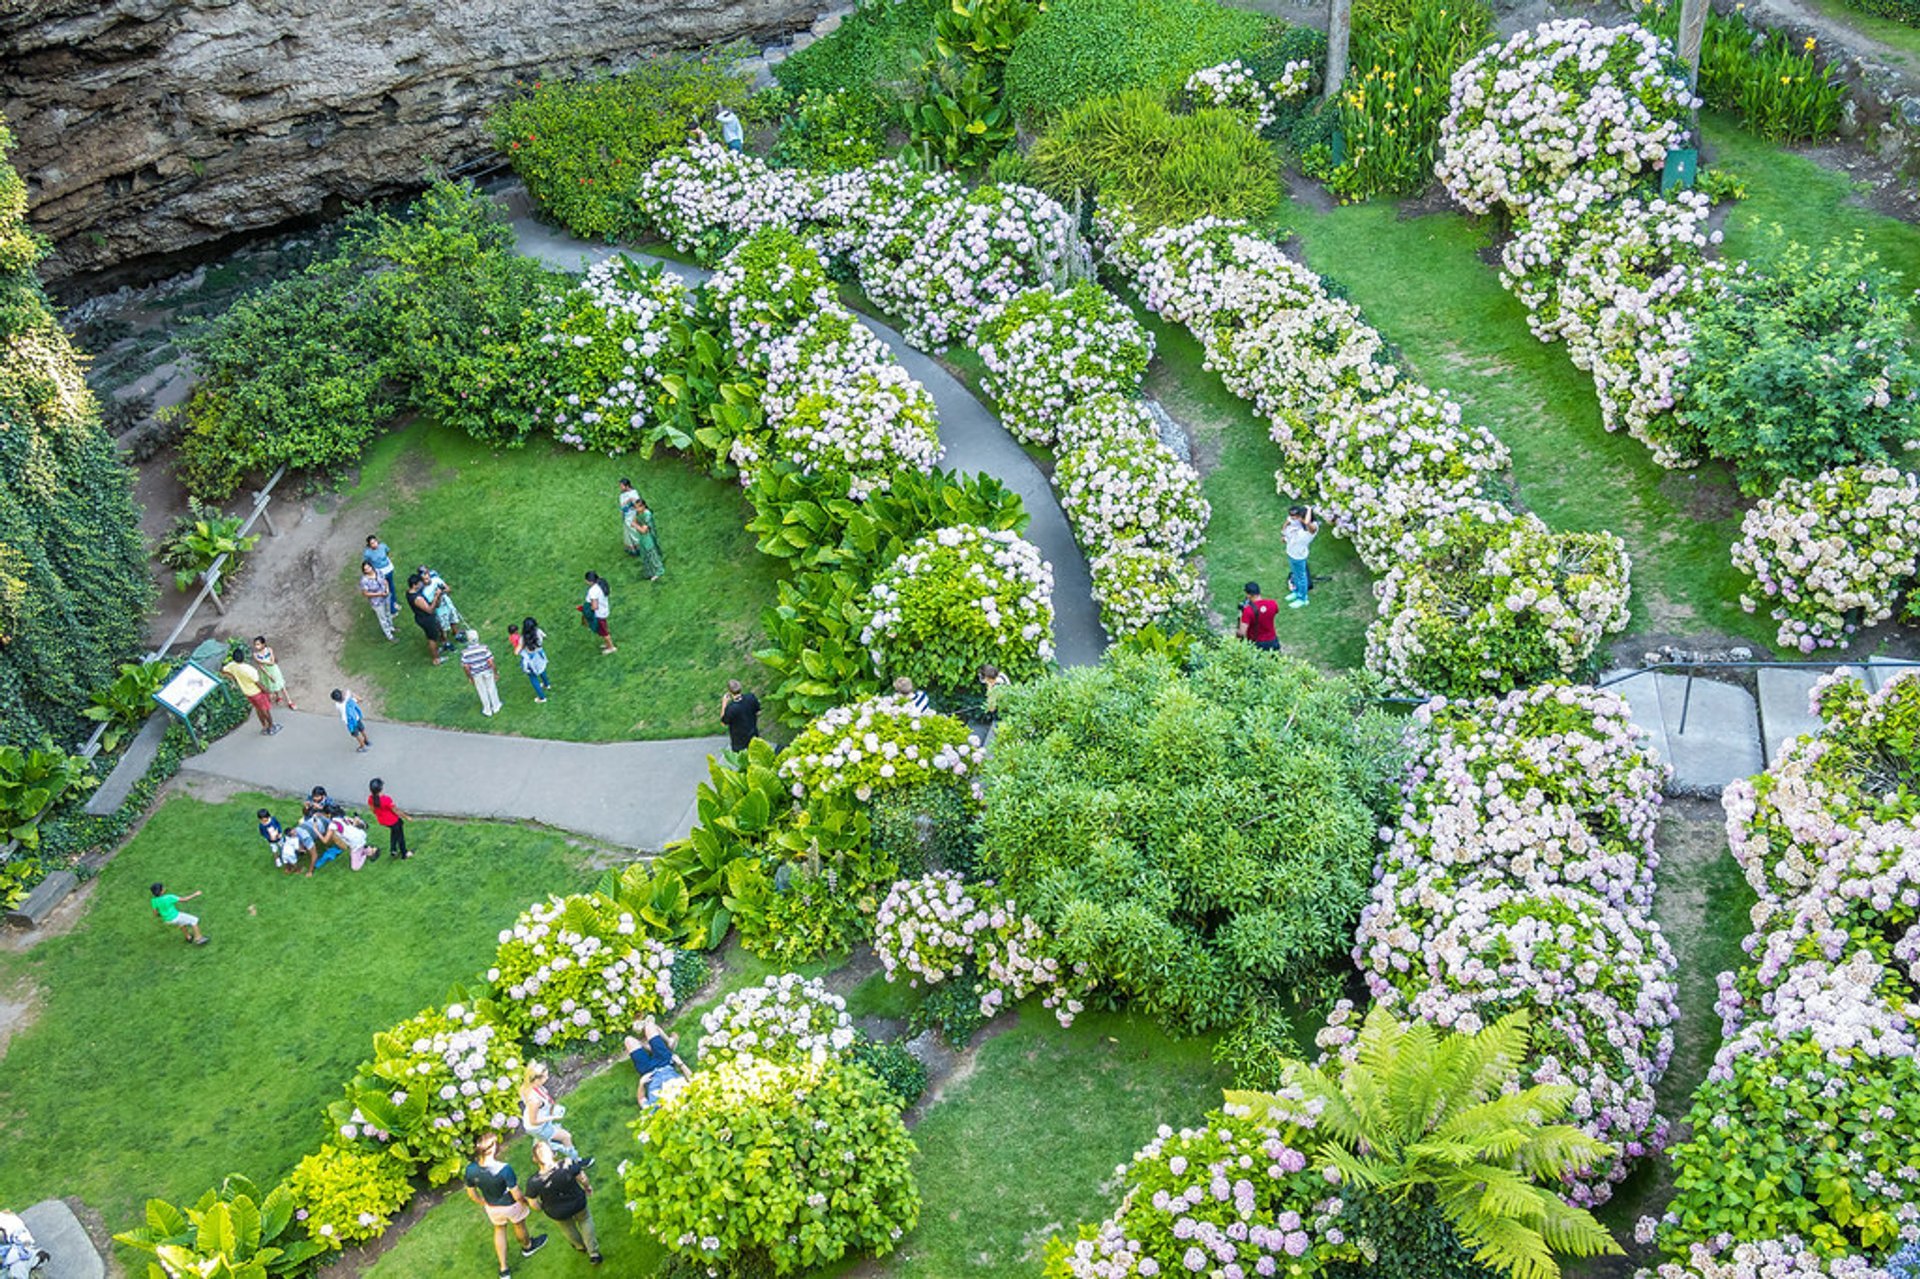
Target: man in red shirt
[[1256, 619]]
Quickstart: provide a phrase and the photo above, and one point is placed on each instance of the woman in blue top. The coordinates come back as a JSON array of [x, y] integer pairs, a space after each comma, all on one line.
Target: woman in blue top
[[378, 556]]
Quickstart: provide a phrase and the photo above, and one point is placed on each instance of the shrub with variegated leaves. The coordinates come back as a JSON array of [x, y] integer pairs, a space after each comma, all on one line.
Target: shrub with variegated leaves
[[575, 969], [878, 745], [957, 599], [348, 1194], [1046, 350]]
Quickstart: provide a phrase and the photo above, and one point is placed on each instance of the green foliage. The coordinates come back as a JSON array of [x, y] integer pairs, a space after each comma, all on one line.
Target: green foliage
[[1410, 1238], [736, 810], [878, 51], [796, 1166], [1404, 55], [347, 1195], [1078, 50], [1905, 12], [1198, 840], [659, 899], [31, 778], [581, 145], [887, 1060], [18, 875], [1415, 1111], [574, 957], [1803, 366], [125, 704], [952, 1010], [832, 132], [200, 537], [963, 121], [927, 828], [1168, 169], [1767, 78], [818, 912], [74, 588], [233, 1232]]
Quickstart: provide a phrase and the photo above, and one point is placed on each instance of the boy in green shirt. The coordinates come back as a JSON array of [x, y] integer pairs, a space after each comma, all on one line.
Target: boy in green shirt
[[167, 906]]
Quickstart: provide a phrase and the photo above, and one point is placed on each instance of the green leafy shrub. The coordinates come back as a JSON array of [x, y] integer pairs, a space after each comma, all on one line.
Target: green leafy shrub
[[853, 753], [200, 537], [659, 900], [832, 132], [1770, 80], [30, 780], [737, 810], [1169, 169], [1803, 366], [18, 876], [123, 705], [931, 620], [878, 50], [581, 145], [1197, 840], [793, 1167], [786, 1019], [963, 120], [347, 1195], [904, 1075], [1078, 50], [797, 912], [577, 969], [608, 358], [952, 1011], [1905, 12], [1404, 55], [927, 828], [233, 1232]]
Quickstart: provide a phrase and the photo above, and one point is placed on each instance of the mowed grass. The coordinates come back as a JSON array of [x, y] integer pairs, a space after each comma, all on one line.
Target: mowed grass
[[156, 1068], [513, 532]]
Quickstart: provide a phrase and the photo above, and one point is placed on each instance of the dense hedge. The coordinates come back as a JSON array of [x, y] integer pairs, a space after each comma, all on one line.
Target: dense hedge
[[1078, 50], [73, 569]]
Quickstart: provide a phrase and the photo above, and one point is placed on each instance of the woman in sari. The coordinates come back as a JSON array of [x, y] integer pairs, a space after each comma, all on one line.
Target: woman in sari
[[643, 535]]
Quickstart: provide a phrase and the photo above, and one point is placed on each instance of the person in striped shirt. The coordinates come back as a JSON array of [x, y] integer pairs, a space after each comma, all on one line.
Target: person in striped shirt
[[476, 659]]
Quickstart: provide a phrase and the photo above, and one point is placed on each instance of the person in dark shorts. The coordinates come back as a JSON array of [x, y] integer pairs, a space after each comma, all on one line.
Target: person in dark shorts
[[559, 1189], [420, 605]]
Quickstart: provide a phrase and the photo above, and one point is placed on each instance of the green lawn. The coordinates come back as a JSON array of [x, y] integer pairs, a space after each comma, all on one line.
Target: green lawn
[[153, 1067], [514, 532]]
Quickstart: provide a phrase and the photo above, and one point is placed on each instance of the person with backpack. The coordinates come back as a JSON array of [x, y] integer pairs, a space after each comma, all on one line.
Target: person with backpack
[[595, 610]]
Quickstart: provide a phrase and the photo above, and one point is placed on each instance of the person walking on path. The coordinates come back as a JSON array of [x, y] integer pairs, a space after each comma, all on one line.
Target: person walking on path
[[270, 677], [641, 531], [378, 558], [356, 722], [476, 659], [167, 906], [1256, 619], [247, 680], [596, 609], [390, 815], [740, 712], [491, 1184], [379, 596], [1299, 530], [560, 1191], [420, 604], [533, 658]]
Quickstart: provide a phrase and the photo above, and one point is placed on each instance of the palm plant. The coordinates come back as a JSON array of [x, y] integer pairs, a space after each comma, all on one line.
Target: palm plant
[[1413, 1113]]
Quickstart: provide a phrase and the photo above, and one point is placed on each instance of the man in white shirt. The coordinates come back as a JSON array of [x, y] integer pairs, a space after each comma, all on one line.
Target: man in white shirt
[[476, 659], [1298, 531], [596, 609]]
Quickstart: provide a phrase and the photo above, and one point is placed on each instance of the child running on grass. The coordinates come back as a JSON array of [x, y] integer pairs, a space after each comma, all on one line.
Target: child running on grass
[[167, 906]]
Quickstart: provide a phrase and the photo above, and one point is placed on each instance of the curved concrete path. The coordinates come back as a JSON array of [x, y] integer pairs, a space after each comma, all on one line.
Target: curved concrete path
[[972, 437]]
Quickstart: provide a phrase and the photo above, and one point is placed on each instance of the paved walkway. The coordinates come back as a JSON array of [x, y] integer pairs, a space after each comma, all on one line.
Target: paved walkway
[[632, 794]]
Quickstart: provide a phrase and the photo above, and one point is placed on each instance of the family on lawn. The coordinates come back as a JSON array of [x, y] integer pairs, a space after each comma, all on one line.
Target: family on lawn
[[326, 830]]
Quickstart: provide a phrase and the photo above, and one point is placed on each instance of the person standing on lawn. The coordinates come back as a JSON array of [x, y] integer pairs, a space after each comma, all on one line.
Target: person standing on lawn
[[420, 603], [379, 596], [390, 815], [560, 1191], [1299, 530], [740, 712], [356, 722], [444, 608], [596, 610], [491, 1184], [641, 532], [1256, 619], [476, 659], [167, 906], [533, 658], [247, 680], [270, 677], [378, 558]]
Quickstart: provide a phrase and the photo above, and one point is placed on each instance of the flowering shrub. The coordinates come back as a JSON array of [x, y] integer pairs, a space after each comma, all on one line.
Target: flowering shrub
[[1045, 351], [959, 598], [1231, 85], [1567, 100], [937, 929], [1132, 489], [1233, 1197], [1788, 1258], [785, 1019], [1106, 416], [1397, 466], [606, 353], [765, 288], [707, 198], [1844, 542], [799, 1164], [878, 745], [1494, 600], [436, 1081], [1140, 586], [347, 1194], [574, 969]]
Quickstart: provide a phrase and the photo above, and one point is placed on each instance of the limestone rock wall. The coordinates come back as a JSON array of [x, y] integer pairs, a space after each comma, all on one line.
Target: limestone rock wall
[[146, 127]]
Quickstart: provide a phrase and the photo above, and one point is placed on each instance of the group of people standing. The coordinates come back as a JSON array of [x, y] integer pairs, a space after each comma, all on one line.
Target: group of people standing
[[1257, 614]]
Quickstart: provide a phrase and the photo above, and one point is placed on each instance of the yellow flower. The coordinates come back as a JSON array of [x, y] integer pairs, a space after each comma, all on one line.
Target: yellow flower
[[1810, 43], [1786, 79]]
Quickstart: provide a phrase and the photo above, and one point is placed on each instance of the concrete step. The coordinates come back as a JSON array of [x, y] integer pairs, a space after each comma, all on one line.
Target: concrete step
[[1643, 699], [57, 1230], [1714, 732], [132, 765], [1784, 714]]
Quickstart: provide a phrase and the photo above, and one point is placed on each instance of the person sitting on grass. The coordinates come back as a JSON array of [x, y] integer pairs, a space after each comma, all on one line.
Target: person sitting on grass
[[491, 1184], [662, 1072], [167, 906]]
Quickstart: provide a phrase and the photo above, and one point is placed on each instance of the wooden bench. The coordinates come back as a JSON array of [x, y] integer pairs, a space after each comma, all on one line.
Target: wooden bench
[[39, 903]]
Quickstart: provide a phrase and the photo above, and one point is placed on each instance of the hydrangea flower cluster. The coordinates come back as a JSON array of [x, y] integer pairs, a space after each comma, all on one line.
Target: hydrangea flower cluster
[[958, 597], [1139, 586], [1567, 98], [706, 198], [878, 745], [939, 928], [784, 1019], [1235, 1197], [1494, 600], [1788, 1258], [573, 970], [1132, 491], [1520, 874], [765, 288], [1832, 553], [1817, 1074], [606, 351], [1231, 86], [1046, 350]]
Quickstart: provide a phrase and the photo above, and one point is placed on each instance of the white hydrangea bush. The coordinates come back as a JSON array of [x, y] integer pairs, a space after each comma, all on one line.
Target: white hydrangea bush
[[958, 598], [1138, 586], [785, 1019], [573, 970], [1134, 490], [1047, 349]]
